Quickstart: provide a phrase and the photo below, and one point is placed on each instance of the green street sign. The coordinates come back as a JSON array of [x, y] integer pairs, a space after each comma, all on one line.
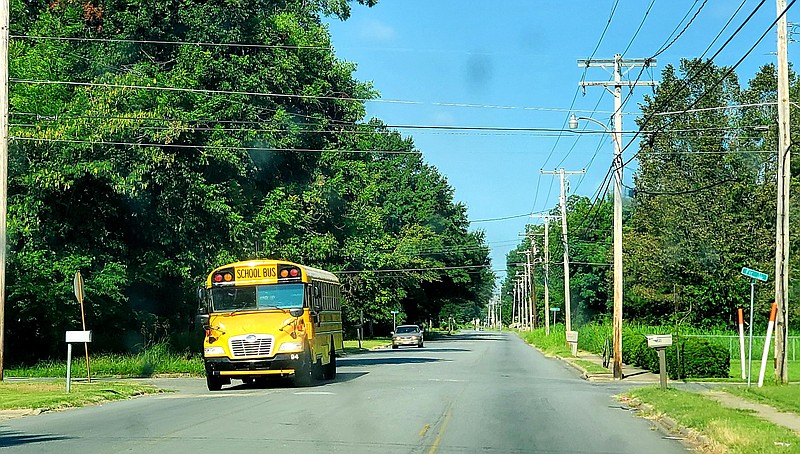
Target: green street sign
[[555, 309], [755, 274]]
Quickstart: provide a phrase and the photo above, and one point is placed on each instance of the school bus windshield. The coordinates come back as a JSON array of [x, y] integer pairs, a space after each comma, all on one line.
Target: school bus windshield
[[259, 297]]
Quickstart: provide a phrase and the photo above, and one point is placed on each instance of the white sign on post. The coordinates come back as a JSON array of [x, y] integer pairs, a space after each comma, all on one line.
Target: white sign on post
[[74, 337], [78, 337]]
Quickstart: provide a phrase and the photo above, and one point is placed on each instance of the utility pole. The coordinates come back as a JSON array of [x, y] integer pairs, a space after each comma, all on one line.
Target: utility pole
[[563, 201], [617, 64], [546, 267], [514, 302], [784, 180], [534, 252], [523, 292], [528, 276], [4, 36]]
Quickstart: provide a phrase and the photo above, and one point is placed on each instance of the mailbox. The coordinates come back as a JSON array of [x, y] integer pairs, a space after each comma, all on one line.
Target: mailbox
[[572, 336], [659, 340]]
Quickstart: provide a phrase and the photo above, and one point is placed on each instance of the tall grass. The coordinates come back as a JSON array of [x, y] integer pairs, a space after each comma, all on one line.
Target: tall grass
[[552, 345], [158, 359]]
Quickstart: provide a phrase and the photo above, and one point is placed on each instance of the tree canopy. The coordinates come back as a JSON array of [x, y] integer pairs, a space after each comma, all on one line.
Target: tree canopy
[[703, 205], [153, 141]]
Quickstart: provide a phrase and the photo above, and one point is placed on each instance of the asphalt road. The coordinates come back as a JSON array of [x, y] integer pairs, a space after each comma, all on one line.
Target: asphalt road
[[477, 392]]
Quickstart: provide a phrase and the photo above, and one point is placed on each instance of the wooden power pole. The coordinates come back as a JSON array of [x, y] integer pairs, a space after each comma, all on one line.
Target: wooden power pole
[[782, 227], [617, 65], [563, 202], [4, 36]]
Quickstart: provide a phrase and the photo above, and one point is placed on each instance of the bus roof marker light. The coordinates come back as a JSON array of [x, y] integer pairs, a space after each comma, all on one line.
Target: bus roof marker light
[[217, 278], [294, 272], [228, 277], [284, 273]]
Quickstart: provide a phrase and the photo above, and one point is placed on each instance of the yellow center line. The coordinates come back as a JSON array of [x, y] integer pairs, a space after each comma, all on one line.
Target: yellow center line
[[424, 430], [442, 428]]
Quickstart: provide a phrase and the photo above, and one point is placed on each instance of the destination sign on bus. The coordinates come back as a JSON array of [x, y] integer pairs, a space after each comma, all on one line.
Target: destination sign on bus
[[257, 272]]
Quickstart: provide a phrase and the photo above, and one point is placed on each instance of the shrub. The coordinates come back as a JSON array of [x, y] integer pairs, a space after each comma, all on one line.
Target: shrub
[[701, 358], [688, 357]]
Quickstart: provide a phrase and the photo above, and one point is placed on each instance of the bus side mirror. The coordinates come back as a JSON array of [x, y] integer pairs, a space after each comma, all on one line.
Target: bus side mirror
[[202, 320], [201, 295], [296, 312]]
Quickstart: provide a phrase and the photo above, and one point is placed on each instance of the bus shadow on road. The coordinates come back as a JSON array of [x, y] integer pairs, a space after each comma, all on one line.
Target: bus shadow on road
[[9, 439]]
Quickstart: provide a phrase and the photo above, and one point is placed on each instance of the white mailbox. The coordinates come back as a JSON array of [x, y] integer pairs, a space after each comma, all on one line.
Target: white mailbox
[[78, 336], [572, 336], [659, 340]]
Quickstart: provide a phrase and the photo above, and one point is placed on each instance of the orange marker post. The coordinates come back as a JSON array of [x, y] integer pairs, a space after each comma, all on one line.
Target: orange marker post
[[766, 344], [741, 342]]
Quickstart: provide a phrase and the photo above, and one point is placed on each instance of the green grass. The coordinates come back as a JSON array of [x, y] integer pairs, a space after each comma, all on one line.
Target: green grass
[[786, 398], [736, 431], [552, 345], [158, 360], [590, 367], [351, 346], [52, 395]]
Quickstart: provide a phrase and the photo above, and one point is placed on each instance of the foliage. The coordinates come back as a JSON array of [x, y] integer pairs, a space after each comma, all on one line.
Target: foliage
[[702, 207], [156, 360], [236, 155]]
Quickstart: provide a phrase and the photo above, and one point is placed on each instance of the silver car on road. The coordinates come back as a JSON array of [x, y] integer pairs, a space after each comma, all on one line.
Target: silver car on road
[[407, 335]]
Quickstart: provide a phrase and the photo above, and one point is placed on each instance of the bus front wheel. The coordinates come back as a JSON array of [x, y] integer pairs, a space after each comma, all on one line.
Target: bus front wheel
[[214, 383], [302, 374]]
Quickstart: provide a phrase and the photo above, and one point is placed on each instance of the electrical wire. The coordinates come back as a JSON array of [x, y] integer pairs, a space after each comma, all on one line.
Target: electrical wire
[[206, 147], [641, 24]]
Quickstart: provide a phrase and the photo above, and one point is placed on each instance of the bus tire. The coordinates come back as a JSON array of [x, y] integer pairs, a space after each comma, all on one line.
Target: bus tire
[[213, 383], [302, 375], [329, 373]]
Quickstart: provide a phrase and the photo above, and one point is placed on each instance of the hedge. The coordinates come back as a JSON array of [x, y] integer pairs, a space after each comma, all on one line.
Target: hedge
[[688, 357]]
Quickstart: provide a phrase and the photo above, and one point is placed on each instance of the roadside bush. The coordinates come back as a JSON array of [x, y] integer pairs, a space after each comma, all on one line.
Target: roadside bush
[[688, 357], [701, 358]]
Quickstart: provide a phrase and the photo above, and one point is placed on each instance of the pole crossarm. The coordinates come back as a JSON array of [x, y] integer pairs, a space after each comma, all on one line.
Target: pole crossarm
[[624, 83]]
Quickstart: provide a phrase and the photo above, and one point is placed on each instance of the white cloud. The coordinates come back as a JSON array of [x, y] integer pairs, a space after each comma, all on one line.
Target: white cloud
[[374, 30], [443, 119]]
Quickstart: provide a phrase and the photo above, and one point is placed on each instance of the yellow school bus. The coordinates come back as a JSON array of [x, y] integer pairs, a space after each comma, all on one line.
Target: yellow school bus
[[270, 318]]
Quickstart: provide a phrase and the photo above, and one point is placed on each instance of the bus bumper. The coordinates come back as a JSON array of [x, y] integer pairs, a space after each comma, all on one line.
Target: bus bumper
[[282, 365]]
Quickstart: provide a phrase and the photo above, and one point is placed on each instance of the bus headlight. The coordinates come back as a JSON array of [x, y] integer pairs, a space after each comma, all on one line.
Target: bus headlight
[[291, 347], [214, 351]]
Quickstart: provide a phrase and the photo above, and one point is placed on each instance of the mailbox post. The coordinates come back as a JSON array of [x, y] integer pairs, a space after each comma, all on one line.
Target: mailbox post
[[74, 337], [660, 342]]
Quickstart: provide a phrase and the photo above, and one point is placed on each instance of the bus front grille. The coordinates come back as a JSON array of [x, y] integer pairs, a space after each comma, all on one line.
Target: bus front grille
[[252, 345]]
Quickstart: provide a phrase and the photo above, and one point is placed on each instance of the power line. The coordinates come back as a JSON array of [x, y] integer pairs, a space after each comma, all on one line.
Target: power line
[[648, 119], [403, 270], [688, 24], [725, 27], [636, 33], [289, 95], [205, 147], [687, 191], [162, 42]]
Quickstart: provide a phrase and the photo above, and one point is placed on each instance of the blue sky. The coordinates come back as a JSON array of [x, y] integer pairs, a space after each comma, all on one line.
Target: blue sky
[[517, 61]]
